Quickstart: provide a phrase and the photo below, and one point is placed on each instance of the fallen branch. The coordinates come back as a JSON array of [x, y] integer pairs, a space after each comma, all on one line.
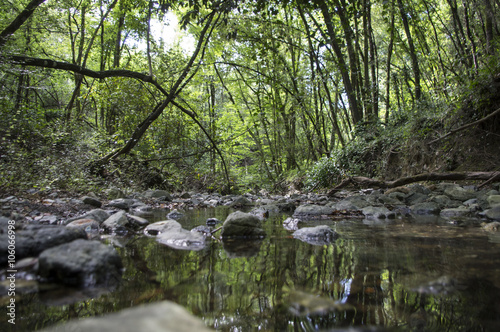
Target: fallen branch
[[454, 131], [454, 176]]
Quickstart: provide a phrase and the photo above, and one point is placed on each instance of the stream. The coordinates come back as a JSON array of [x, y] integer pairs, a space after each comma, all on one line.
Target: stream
[[424, 274]]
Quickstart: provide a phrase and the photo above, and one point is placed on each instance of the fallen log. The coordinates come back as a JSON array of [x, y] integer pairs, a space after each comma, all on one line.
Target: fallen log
[[362, 181]]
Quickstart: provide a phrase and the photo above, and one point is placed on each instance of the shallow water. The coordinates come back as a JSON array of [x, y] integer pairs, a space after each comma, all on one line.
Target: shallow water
[[425, 275]]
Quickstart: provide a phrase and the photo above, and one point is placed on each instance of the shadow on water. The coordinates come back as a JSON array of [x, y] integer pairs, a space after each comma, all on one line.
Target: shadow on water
[[398, 275]]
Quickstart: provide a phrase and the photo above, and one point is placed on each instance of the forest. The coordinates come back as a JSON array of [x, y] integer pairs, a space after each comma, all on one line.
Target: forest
[[236, 96]]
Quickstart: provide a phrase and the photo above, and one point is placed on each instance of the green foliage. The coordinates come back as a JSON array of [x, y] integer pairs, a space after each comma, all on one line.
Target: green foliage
[[323, 174]]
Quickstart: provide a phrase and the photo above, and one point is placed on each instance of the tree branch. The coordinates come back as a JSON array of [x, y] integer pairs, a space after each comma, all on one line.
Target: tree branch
[[19, 21], [47, 63]]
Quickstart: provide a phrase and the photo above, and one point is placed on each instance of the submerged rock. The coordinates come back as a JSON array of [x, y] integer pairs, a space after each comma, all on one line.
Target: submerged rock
[[240, 224], [291, 224], [319, 235], [80, 263], [163, 316]]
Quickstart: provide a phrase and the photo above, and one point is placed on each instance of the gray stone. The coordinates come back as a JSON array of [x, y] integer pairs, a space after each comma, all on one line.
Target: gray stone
[[34, 239], [416, 198], [96, 214], [138, 221], [91, 201], [240, 224], [121, 203], [425, 208], [455, 212], [318, 235], [458, 193], [378, 212], [350, 203], [162, 316], [445, 202], [116, 222], [80, 263], [493, 213], [312, 211], [175, 214], [240, 201], [88, 225], [170, 233], [159, 227], [157, 194]]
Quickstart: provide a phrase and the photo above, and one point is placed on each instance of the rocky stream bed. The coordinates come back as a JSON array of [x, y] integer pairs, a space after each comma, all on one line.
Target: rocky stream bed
[[62, 241]]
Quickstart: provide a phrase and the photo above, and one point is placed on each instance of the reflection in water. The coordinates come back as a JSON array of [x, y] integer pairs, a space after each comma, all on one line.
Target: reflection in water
[[405, 275]]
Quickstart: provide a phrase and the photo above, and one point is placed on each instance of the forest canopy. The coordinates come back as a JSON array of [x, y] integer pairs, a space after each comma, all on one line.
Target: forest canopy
[[249, 95]]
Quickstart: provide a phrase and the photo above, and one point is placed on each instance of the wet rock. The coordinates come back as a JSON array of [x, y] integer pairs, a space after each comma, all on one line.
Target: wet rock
[[143, 211], [175, 214], [116, 222], [114, 193], [492, 226], [493, 213], [260, 212], [319, 235], [158, 194], [291, 224], [162, 316], [91, 201], [80, 263], [240, 224], [33, 239], [414, 198], [203, 230], [121, 203], [180, 238], [425, 208], [455, 212], [444, 201], [378, 212], [312, 211], [137, 221], [158, 227], [350, 203], [96, 214], [459, 193]]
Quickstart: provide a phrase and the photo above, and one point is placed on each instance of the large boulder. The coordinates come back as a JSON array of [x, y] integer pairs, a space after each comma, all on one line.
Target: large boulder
[[80, 263], [240, 224], [459, 193], [318, 235], [162, 316], [33, 239], [170, 233]]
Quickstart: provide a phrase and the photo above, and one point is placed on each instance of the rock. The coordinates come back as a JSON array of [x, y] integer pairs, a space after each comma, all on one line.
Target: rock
[[143, 211], [492, 226], [158, 227], [175, 214], [240, 201], [159, 194], [162, 316], [178, 238], [203, 230], [291, 224], [80, 263], [114, 193], [312, 211], [138, 221], [121, 203], [96, 214], [116, 222], [91, 201], [350, 203], [170, 233], [493, 213], [240, 224], [444, 201], [455, 212], [260, 212], [34, 239], [378, 212], [493, 200], [425, 208], [459, 193], [318, 235], [416, 198]]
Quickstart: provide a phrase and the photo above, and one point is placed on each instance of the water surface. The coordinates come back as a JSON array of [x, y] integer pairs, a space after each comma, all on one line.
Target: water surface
[[408, 275]]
